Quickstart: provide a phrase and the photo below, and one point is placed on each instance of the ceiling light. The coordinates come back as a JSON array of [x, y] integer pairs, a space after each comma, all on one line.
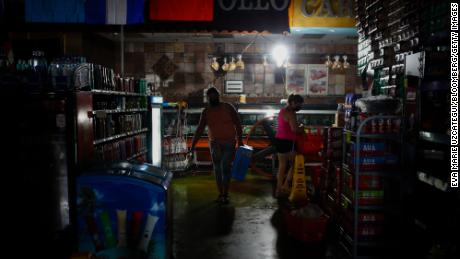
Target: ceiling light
[[280, 54]]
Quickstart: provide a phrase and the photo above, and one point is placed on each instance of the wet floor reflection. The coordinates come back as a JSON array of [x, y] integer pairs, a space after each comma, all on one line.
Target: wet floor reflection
[[250, 227]]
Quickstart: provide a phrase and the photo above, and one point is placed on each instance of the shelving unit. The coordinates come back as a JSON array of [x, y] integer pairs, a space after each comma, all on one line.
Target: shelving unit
[[331, 170], [96, 112], [175, 138], [108, 92], [143, 152], [318, 115], [388, 32], [374, 185], [434, 137], [115, 128], [120, 136]]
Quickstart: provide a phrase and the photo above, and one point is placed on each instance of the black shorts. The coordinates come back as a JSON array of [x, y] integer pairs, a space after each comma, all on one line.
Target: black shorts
[[284, 145]]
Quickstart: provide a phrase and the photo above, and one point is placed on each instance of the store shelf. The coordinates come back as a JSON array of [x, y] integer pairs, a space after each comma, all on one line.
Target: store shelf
[[119, 111], [363, 207], [95, 112], [176, 153], [375, 136], [359, 243], [137, 155], [385, 173], [119, 136], [345, 248], [107, 92], [372, 5], [433, 154], [434, 85], [433, 181], [434, 137], [395, 2]]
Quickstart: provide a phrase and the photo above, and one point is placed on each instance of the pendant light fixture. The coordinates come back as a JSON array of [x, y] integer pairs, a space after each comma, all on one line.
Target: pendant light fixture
[[336, 64], [265, 62], [345, 62], [328, 62], [232, 65], [240, 63], [225, 66], [214, 64]]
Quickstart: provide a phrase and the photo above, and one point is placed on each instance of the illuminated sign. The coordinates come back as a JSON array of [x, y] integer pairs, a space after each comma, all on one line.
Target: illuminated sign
[[259, 5], [321, 13]]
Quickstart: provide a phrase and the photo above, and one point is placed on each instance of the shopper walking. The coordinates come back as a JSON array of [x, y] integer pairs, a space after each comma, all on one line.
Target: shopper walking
[[285, 137], [224, 130]]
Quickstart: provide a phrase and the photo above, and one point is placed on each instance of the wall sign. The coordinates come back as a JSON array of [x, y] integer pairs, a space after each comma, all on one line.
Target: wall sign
[[317, 79], [295, 79], [258, 5], [322, 13], [224, 15]]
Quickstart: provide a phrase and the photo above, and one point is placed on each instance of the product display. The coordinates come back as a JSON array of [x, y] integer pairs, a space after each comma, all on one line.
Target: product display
[[125, 149], [368, 161], [101, 112]]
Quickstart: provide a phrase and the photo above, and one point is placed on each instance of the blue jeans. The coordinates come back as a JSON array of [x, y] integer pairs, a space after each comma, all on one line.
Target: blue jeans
[[222, 156]]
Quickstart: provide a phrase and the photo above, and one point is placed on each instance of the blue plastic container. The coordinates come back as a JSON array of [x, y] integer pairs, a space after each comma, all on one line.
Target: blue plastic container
[[241, 163]]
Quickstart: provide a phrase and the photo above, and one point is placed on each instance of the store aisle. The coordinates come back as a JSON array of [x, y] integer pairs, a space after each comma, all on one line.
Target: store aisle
[[249, 227]]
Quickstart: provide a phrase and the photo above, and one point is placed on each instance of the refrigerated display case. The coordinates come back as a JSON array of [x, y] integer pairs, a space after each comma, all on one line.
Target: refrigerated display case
[[155, 144], [314, 115]]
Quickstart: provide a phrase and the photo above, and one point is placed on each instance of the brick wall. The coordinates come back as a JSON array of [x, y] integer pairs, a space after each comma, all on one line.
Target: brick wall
[[193, 72]]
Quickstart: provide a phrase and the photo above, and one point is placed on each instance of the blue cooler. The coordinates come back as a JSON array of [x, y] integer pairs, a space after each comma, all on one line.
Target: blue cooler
[[123, 211], [241, 163]]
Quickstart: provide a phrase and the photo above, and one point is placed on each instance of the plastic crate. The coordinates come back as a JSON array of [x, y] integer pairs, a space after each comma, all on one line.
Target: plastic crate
[[373, 163], [366, 217], [365, 231], [369, 149], [305, 229], [366, 182], [365, 197]]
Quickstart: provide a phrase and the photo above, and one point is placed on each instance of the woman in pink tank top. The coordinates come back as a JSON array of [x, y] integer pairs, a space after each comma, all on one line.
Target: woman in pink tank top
[[285, 137]]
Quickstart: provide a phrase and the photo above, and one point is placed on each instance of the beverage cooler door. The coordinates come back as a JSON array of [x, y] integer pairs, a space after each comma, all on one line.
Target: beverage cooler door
[[156, 135]]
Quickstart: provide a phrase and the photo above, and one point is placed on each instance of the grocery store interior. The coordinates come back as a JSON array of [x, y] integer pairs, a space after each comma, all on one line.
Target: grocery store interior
[[103, 101]]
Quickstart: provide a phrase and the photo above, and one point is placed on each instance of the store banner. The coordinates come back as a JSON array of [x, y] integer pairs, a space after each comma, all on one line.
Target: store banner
[[114, 11], [321, 14], [55, 11], [81, 11], [252, 15], [180, 10], [221, 15]]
